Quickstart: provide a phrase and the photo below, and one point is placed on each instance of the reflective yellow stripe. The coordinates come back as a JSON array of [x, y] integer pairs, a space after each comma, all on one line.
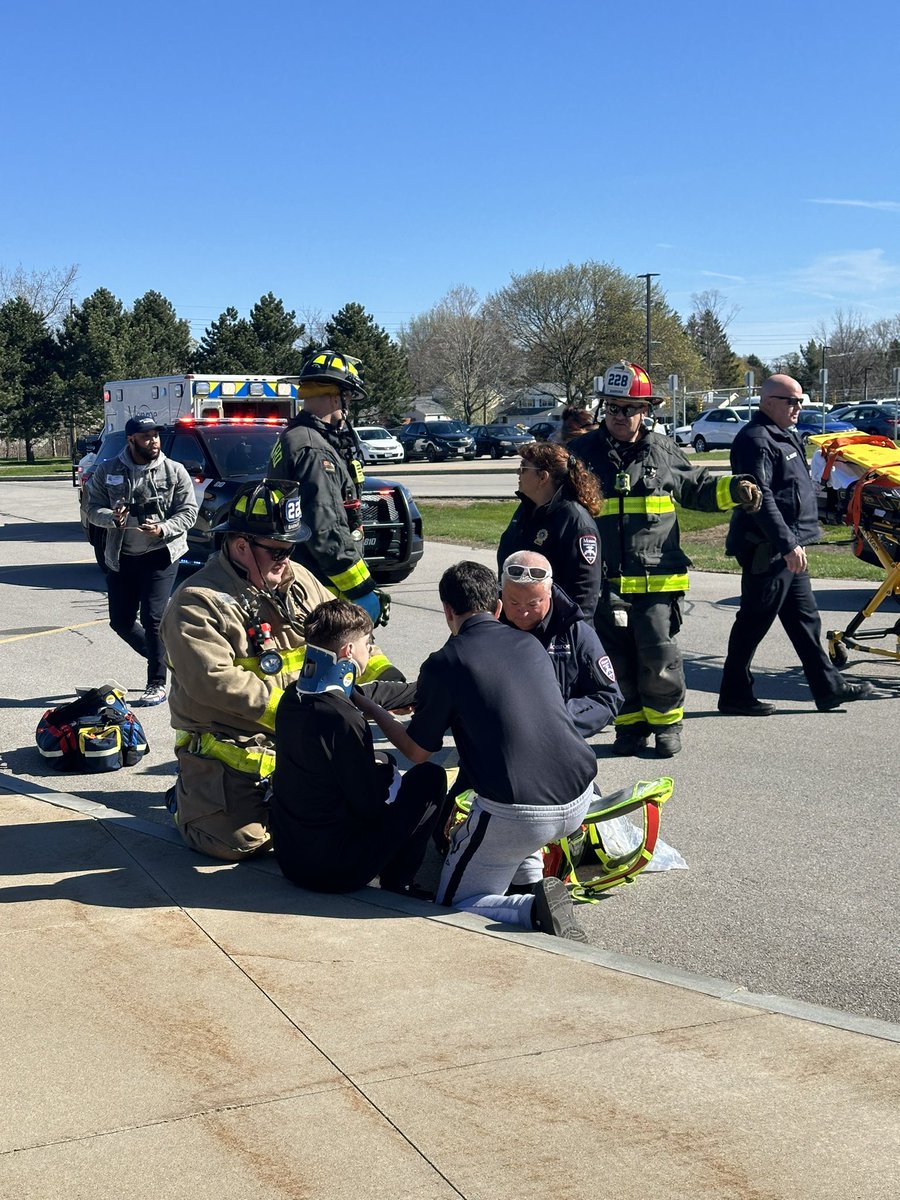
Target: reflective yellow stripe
[[250, 761], [276, 454], [376, 664], [645, 584], [632, 718], [723, 493], [654, 717], [352, 579], [291, 660], [637, 504], [267, 720]]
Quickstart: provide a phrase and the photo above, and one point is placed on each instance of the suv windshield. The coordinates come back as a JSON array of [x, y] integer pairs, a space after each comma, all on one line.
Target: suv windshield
[[240, 452], [446, 428]]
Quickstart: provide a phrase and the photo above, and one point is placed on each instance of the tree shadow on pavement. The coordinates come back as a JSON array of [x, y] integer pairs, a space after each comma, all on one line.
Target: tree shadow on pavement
[[68, 577], [43, 531]]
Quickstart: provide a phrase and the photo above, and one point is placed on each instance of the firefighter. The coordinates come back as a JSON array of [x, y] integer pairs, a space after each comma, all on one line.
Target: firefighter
[[643, 474], [319, 452]]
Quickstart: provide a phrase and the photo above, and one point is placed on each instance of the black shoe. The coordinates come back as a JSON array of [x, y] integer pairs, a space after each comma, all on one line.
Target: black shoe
[[407, 889], [753, 708], [628, 743], [668, 742], [851, 692], [553, 912]]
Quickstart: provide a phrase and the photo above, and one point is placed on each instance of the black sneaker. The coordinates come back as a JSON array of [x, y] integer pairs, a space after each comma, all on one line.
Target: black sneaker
[[851, 692], [668, 742], [752, 708], [628, 743], [553, 911]]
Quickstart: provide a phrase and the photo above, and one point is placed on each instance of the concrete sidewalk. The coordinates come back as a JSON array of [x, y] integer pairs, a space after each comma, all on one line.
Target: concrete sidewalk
[[179, 1028]]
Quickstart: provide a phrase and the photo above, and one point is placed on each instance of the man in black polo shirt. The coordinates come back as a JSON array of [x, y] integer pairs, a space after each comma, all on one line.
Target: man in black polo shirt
[[494, 687]]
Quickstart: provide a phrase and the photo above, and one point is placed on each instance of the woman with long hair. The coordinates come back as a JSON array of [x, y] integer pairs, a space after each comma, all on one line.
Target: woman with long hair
[[559, 499]]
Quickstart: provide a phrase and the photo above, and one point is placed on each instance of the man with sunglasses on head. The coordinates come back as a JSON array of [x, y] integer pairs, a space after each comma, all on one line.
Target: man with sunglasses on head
[[643, 474], [769, 545]]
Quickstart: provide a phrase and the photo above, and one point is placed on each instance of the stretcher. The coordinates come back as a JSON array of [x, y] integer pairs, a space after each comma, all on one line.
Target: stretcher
[[858, 480]]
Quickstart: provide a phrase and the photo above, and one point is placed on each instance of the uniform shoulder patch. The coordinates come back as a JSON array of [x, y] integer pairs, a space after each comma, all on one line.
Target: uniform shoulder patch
[[587, 546], [606, 667], [540, 537], [328, 465]]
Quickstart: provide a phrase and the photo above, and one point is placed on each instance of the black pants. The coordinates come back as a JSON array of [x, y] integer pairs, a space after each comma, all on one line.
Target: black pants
[[777, 592], [330, 861], [137, 595], [647, 660]]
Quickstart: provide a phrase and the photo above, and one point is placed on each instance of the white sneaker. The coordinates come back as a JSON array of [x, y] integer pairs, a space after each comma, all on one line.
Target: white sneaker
[[155, 694]]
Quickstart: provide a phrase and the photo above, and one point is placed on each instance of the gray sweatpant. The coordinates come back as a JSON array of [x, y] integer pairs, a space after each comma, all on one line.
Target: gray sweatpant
[[497, 842]]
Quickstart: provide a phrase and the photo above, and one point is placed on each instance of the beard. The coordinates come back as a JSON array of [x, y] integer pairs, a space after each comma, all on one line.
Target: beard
[[143, 454]]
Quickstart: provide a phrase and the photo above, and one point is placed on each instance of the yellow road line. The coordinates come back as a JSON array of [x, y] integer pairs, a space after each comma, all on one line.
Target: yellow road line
[[20, 637]]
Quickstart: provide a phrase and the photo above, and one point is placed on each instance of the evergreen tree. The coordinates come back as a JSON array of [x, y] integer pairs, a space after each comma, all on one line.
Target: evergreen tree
[[277, 333], [95, 347], [383, 364], [707, 332], [29, 394], [228, 346], [159, 341], [266, 344]]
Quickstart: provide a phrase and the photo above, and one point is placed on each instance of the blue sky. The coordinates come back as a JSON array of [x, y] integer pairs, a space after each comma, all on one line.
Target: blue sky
[[384, 152]]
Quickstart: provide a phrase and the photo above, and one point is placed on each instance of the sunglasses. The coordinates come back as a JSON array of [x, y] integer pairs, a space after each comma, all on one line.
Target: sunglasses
[[788, 399], [627, 410], [277, 556], [519, 573]]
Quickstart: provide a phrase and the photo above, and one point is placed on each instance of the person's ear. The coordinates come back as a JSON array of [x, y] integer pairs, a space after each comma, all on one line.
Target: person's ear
[[498, 609]]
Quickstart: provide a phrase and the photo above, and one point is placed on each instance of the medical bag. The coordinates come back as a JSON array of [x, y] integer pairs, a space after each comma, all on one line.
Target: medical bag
[[97, 732]]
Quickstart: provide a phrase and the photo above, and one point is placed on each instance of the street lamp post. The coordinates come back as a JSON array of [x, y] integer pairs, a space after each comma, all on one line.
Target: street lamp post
[[648, 275], [823, 376]]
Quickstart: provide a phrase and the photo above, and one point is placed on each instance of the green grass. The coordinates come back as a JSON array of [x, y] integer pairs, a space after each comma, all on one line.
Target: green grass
[[11, 468], [481, 522]]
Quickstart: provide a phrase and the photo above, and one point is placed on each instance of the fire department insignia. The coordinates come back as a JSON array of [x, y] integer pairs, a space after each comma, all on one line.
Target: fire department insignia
[[588, 547], [328, 465], [607, 668], [540, 537]]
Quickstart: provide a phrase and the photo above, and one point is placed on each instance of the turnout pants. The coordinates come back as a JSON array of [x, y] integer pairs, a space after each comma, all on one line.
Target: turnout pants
[[648, 663], [137, 595], [497, 842], [221, 812], [777, 592]]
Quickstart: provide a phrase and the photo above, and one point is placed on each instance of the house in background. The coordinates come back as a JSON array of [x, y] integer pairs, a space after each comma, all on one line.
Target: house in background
[[531, 403], [425, 408]]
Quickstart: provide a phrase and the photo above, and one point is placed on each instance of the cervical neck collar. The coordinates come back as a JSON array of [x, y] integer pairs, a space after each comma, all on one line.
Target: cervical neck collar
[[323, 671]]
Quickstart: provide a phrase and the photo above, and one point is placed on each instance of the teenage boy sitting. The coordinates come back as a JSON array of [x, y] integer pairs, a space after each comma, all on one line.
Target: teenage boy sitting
[[340, 812]]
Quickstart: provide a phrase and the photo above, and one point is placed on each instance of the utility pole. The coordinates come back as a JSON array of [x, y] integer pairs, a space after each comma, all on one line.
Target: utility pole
[[823, 376], [648, 275], [865, 385]]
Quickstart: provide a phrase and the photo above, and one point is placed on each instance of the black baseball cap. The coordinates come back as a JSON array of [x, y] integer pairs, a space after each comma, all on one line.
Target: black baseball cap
[[142, 423]]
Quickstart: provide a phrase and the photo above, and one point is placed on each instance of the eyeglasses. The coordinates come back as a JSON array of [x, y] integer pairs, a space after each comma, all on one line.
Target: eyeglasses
[[627, 410], [277, 554], [790, 399], [527, 467], [519, 573]]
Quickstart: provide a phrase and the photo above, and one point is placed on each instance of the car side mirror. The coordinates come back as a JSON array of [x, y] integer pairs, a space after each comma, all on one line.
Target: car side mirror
[[195, 470]]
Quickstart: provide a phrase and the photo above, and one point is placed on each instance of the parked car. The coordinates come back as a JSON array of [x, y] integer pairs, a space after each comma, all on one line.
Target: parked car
[[681, 434], [220, 454], [436, 441], [809, 422], [377, 444], [542, 430], [499, 440], [718, 427], [872, 418]]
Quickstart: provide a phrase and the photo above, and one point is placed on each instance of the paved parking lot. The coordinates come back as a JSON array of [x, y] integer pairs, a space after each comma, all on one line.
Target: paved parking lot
[[789, 825]]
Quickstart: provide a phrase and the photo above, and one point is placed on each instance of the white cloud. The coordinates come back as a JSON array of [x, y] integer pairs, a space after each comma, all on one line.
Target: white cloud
[[720, 275], [854, 272], [877, 205]]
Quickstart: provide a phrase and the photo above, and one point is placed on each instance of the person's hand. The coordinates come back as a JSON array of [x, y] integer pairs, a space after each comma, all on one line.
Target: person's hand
[[795, 560], [119, 514], [749, 496], [151, 529]]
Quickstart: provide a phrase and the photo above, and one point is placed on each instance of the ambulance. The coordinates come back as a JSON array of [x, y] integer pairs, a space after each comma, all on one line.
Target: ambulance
[[169, 397]]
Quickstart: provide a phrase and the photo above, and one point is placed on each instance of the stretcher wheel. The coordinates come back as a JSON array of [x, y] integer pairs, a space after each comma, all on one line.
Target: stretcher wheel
[[838, 654]]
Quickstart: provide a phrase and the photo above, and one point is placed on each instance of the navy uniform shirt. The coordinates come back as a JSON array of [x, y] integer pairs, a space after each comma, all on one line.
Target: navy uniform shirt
[[495, 688]]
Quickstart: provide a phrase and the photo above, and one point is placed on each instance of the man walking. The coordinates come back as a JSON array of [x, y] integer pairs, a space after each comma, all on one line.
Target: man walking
[[769, 545], [146, 502]]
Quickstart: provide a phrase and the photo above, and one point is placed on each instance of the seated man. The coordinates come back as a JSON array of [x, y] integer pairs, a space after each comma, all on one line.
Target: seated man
[[533, 603], [341, 814], [233, 634], [533, 773]]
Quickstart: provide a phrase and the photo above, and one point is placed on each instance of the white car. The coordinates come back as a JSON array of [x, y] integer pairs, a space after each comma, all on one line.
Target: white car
[[718, 427], [378, 445]]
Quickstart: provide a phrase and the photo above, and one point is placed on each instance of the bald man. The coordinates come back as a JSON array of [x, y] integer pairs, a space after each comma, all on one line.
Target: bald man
[[770, 547]]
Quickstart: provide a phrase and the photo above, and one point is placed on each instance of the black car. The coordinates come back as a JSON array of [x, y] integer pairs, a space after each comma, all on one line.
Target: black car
[[499, 440], [221, 454], [871, 418], [436, 441], [543, 430]]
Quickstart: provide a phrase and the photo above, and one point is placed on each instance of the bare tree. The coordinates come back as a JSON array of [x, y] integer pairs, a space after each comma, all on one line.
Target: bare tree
[[848, 354], [461, 349], [48, 292], [714, 302]]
